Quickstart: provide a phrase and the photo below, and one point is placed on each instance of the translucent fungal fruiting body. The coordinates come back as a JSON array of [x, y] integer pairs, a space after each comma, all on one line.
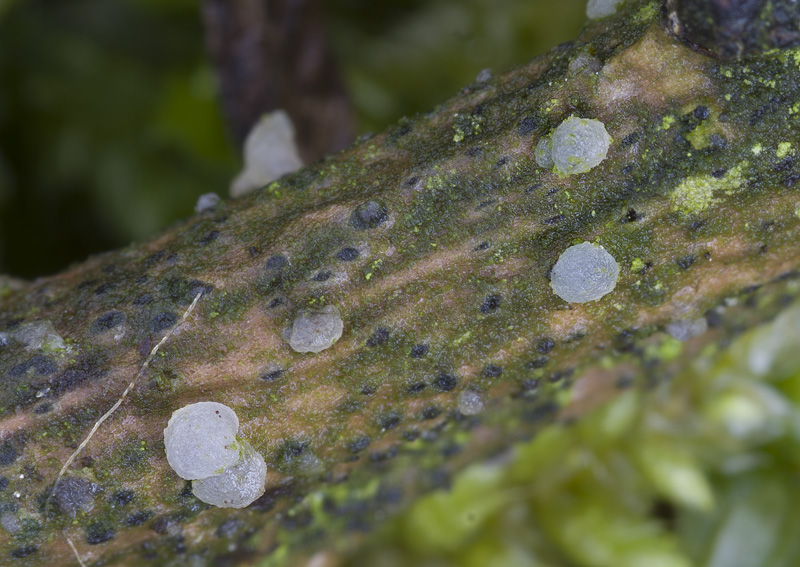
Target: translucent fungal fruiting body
[[584, 272], [239, 485], [470, 403], [200, 440], [576, 146], [315, 331], [686, 329], [39, 335], [601, 8]]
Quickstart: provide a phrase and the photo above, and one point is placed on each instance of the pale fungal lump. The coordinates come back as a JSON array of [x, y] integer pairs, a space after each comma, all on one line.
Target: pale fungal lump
[[575, 146], [239, 485], [584, 272], [200, 440], [314, 331], [202, 446], [601, 8]]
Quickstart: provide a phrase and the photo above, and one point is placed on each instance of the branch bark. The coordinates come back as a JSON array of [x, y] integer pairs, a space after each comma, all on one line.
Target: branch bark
[[434, 240]]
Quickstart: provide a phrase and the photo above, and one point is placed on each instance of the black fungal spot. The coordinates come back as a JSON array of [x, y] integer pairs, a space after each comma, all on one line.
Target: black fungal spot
[[630, 139], [99, 532], [528, 126], [25, 551], [322, 276], [138, 518], [786, 164], [545, 345], [697, 225], [482, 246], [417, 388], [632, 216], [685, 262], [347, 254], [502, 161], [276, 302], [418, 351], [276, 262], [701, 112], [388, 422], [627, 169], [368, 215], [103, 288], [42, 408], [107, 321], [379, 337], [367, 390], [540, 362], [445, 382], [272, 375], [359, 444], [143, 299], [412, 181], [123, 497], [492, 371], [8, 454], [40, 363], [430, 412], [490, 304], [719, 173], [163, 321], [791, 180], [3, 483], [183, 291], [209, 237], [554, 220]]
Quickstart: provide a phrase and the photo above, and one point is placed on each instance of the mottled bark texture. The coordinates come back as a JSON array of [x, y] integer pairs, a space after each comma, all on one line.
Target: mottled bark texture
[[434, 240], [273, 54]]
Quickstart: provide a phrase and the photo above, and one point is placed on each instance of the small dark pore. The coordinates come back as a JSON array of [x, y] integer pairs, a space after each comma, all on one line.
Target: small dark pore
[[430, 412], [630, 139], [719, 173], [275, 262], [322, 276], [490, 304], [545, 345], [163, 321], [347, 254], [528, 126], [25, 551], [481, 246], [701, 112], [418, 351], [554, 220], [417, 388], [138, 518], [254, 251], [209, 237], [359, 444], [445, 382], [378, 337], [685, 262], [632, 216], [492, 371], [388, 422], [123, 497], [272, 375], [107, 321], [99, 532]]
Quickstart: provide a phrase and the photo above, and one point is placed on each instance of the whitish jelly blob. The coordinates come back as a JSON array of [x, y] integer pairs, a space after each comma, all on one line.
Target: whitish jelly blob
[[584, 272], [39, 335], [315, 331], [601, 8], [578, 144], [200, 440], [685, 329], [470, 403], [238, 486]]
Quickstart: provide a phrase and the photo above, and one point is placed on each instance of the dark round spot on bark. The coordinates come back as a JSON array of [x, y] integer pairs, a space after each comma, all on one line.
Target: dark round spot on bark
[[368, 215], [539, 362], [99, 532], [528, 126], [163, 321], [632, 216], [490, 304], [482, 246], [347, 254], [209, 237], [138, 518], [123, 497], [367, 390], [272, 375], [103, 288], [322, 276], [701, 112], [359, 444], [276, 262], [8, 454], [630, 139], [445, 382], [719, 173], [545, 345], [685, 262], [143, 299], [418, 351], [25, 551], [390, 421], [3, 483], [107, 321], [417, 388], [492, 371], [379, 337], [431, 412], [42, 408]]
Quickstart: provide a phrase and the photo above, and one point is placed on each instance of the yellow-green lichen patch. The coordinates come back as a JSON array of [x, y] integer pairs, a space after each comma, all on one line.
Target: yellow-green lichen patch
[[696, 194]]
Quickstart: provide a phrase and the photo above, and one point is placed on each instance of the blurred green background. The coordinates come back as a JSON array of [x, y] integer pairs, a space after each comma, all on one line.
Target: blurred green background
[[110, 127]]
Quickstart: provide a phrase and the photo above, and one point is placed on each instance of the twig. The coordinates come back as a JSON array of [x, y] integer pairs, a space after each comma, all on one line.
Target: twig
[[75, 551]]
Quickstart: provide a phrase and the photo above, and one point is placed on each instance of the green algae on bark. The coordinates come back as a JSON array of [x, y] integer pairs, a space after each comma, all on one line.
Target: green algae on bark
[[436, 252]]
